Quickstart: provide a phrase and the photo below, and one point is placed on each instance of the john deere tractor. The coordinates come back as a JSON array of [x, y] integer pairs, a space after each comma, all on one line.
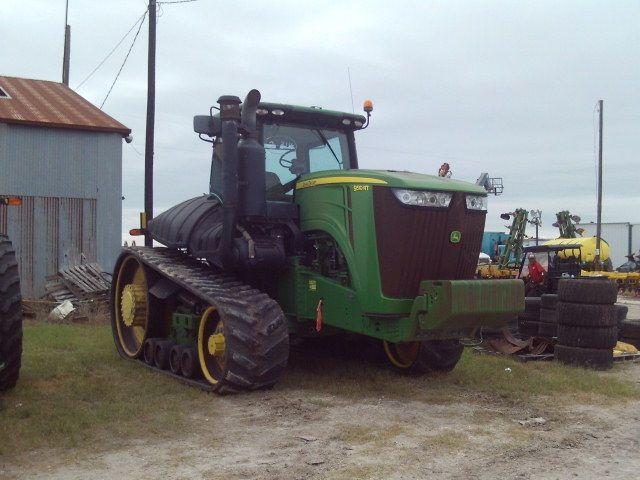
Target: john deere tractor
[[294, 240], [10, 308]]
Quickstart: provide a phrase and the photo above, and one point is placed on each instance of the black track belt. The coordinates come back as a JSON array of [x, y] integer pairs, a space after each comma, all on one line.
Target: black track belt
[[198, 279]]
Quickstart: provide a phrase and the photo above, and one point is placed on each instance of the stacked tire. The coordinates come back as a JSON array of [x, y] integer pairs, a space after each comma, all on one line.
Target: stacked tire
[[529, 320], [587, 322], [548, 326], [629, 331]]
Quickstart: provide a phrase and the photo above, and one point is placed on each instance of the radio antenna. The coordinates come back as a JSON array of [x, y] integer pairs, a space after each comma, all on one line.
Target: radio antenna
[[353, 110]]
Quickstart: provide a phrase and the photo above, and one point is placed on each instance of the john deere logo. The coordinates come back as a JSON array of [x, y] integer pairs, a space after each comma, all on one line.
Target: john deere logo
[[455, 236]]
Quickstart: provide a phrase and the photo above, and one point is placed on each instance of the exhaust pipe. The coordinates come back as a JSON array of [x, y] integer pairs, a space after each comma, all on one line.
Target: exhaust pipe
[[249, 111], [230, 117], [252, 168]]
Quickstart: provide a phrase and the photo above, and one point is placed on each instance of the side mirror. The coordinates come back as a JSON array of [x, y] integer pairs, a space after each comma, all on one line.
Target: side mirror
[[207, 125]]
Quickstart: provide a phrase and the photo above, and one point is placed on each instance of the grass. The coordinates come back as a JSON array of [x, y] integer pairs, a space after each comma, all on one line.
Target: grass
[[75, 391], [448, 440], [346, 372], [362, 434]]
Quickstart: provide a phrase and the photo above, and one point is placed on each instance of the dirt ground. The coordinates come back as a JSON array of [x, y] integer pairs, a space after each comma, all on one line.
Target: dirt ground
[[295, 434], [334, 417]]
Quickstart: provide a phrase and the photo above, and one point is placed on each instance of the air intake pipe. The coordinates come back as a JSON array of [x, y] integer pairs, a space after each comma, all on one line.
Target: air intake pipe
[[251, 167], [230, 118]]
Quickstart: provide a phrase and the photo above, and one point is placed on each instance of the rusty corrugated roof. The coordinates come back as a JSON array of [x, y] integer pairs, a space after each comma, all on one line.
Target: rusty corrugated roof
[[52, 104]]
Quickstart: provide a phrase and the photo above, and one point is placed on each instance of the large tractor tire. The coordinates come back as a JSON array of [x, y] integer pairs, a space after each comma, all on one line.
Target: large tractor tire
[[597, 358], [424, 357], [586, 315], [630, 329], [602, 338], [549, 301], [532, 304], [587, 290], [10, 316]]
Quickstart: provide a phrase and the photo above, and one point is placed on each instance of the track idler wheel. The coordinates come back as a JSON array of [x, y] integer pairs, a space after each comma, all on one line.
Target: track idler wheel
[[130, 306]]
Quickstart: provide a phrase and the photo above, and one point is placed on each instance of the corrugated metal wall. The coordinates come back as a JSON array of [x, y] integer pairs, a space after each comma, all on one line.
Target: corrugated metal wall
[[616, 235], [635, 238], [48, 234], [70, 182]]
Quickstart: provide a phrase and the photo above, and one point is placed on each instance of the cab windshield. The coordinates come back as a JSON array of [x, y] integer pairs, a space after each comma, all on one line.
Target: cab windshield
[[292, 151]]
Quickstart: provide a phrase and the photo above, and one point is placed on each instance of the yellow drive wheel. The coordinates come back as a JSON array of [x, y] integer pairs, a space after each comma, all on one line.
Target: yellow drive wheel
[[402, 355], [131, 308], [212, 346]]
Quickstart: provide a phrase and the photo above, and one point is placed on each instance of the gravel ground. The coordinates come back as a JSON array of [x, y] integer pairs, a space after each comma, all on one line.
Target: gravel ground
[[291, 435]]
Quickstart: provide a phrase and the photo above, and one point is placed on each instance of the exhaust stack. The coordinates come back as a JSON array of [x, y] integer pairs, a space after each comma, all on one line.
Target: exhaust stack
[[230, 117], [252, 168]]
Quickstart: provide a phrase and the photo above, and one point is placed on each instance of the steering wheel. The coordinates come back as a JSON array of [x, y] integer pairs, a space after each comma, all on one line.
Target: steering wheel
[[286, 162], [282, 142]]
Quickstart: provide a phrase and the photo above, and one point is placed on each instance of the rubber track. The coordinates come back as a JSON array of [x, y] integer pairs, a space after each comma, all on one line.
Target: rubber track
[[261, 341], [10, 316]]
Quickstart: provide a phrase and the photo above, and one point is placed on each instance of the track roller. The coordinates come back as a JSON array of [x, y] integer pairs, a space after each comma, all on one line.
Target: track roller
[[161, 354], [175, 355], [189, 363], [149, 350]]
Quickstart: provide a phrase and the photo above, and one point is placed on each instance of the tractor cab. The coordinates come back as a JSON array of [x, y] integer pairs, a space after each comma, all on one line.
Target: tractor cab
[[556, 262], [297, 141]]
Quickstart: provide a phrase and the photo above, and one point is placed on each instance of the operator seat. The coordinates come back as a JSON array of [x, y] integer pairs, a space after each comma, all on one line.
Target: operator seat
[[272, 180], [276, 190]]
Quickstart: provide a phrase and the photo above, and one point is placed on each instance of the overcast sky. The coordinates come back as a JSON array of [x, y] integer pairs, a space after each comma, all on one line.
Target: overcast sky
[[504, 87]]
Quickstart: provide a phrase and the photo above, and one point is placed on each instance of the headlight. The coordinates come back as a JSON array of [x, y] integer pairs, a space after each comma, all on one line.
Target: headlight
[[422, 198], [476, 202]]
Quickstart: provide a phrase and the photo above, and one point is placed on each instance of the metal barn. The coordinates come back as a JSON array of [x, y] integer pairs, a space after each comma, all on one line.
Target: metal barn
[[63, 157]]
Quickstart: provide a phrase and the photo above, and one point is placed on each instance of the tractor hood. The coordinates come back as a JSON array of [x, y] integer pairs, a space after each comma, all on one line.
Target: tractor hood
[[391, 178]]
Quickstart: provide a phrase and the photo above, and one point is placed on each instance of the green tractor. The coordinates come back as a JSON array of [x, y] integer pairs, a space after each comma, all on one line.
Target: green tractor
[[10, 309], [294, 241]]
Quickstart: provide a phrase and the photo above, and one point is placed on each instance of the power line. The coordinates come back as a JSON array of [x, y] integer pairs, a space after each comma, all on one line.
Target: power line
[[140, 18], [175, 1], [125, 60]]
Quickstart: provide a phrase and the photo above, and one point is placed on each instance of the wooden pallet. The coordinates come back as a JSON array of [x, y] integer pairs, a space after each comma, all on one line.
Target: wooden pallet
[[79, 283]]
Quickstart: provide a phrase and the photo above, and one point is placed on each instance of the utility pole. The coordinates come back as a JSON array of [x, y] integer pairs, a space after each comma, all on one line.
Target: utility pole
[[597, 262], [66, 56], [151, 114]]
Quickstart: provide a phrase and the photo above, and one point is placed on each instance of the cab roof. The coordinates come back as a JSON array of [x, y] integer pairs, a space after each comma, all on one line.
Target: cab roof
[[314, 116]]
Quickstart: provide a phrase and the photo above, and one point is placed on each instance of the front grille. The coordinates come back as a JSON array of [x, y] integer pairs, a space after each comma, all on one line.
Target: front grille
[[414, 242]]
